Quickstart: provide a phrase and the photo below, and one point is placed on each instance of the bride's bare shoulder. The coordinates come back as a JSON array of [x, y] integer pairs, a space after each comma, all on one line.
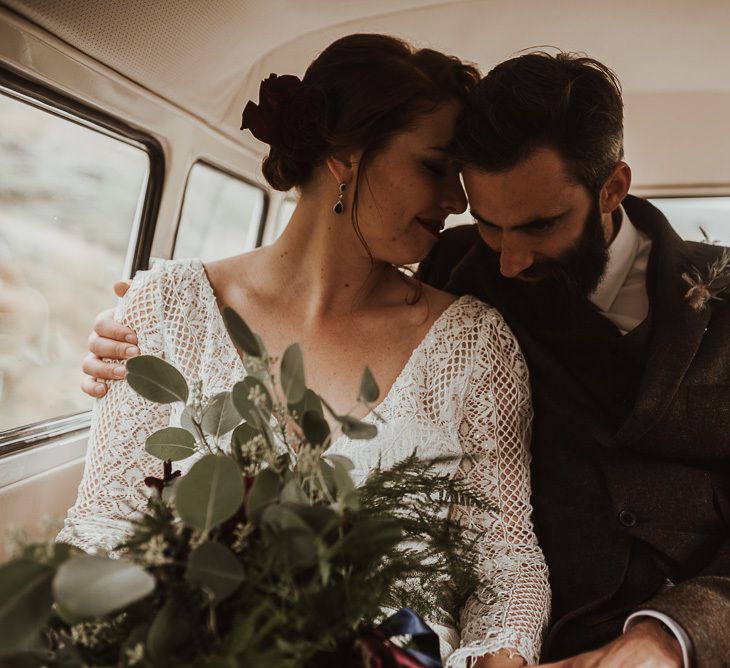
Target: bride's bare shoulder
[[235, 270]]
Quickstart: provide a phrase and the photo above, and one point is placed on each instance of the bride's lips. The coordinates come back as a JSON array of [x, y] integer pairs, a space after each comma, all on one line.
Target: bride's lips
[[432, 225]]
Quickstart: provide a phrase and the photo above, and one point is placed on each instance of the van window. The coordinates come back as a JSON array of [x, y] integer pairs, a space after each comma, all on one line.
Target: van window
[[70, 198], [690, 215], [222, 215], [286, 209]]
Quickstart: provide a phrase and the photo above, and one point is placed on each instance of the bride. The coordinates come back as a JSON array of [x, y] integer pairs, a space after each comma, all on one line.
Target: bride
[[364, 139]]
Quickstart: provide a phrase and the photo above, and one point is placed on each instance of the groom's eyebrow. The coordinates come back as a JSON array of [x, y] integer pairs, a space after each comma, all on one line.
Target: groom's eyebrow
[[530, 224]]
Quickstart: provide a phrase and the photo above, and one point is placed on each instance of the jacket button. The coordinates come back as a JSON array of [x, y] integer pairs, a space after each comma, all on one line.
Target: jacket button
[[627, 518]]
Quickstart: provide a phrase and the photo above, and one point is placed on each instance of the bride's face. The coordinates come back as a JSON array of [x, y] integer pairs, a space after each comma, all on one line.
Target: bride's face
[[408, 189]]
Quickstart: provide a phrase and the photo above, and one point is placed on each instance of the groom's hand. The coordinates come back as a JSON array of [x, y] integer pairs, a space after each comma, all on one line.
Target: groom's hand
[[645, 645]]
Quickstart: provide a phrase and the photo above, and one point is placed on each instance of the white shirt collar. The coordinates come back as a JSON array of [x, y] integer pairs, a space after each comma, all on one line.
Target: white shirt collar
[[621, 256]]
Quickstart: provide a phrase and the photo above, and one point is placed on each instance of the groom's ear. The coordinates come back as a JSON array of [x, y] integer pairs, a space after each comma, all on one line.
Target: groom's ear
[[616, 187]]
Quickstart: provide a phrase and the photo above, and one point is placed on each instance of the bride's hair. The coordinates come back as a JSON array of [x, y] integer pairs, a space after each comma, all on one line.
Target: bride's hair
[[357, 94]]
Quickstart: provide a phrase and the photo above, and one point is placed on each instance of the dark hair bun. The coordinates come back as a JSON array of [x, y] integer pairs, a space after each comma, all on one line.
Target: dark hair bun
[[290, 117]]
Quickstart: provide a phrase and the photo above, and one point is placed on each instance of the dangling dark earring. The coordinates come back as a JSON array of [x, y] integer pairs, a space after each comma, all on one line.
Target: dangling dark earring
[[339, 206]]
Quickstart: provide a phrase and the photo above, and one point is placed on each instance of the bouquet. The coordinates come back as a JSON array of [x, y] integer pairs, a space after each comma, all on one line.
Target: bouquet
[[264, 554]]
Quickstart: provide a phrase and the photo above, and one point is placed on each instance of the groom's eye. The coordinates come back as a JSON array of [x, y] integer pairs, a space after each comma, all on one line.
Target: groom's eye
[[541, 226]]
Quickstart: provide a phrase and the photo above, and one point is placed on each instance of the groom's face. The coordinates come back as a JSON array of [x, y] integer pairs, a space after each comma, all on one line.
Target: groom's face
[[544, 226]]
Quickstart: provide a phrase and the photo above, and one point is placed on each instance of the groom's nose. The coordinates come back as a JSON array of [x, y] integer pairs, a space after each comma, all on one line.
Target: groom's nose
[[514, 258]]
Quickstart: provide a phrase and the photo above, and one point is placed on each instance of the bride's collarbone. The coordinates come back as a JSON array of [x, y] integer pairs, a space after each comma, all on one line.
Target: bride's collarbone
[[336, 352]]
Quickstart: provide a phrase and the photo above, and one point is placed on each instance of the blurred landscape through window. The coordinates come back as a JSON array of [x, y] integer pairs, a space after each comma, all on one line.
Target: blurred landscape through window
[[69, 202], [221, 215]]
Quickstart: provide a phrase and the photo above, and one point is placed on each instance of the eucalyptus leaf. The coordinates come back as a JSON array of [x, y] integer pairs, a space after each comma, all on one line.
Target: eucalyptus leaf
[[277, 517], [298, 547], [241, 334], [265, 490], [346, 491], [369, 390], [220, 416], [243, 434], [315, 428], [292, 374], [291, 492], [320, 519], [172, 443], [170, 634], [25, 603], [156, 380], [310, 402], [357, 429], [93, 586], [214, 567], [186, 421], [345, 461], [253, 402], [210, 493]]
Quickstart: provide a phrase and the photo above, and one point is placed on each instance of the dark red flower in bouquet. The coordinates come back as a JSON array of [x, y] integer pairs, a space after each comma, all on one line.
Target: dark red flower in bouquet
[[168, 475]]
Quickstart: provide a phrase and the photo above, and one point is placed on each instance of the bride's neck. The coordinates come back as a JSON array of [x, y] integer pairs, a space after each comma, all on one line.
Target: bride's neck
[[320, 259]]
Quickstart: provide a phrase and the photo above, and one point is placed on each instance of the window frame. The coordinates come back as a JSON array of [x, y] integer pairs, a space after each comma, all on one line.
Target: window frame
[[28, 91], [724, 194], [239, 177]]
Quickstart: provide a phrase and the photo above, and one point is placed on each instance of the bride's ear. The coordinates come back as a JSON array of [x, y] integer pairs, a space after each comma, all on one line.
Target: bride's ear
[[343, 167]]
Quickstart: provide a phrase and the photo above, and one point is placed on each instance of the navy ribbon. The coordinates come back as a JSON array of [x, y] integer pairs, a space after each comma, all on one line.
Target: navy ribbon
[[385, 654]]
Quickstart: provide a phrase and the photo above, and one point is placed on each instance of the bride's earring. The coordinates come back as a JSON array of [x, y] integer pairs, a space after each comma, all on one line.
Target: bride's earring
[[339, 206]]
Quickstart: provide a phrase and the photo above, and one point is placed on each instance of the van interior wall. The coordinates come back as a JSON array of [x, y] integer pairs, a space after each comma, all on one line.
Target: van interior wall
[[678, 141]]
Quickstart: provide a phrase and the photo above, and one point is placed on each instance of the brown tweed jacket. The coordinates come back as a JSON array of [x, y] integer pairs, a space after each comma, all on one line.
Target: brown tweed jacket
[[630, 493]]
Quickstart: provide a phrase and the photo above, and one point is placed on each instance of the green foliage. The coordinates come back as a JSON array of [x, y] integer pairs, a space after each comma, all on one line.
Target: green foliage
[[25, 603], [357, 429], [156, 380], [369, 391], [210, 493], [171, 443], [215, 568], [90, 586], [253, 402], [241, 334], [220, 416], [267, 556], [292, 374]]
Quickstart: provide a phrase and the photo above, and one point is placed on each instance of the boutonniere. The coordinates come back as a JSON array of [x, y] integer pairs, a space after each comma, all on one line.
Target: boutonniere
[[713, 285]]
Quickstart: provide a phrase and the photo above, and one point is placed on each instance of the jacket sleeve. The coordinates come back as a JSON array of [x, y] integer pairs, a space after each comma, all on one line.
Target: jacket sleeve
[[453, 245], [701, 606]]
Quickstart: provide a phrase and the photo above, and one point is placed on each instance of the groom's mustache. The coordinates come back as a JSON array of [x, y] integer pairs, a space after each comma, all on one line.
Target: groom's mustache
[[568, 279]]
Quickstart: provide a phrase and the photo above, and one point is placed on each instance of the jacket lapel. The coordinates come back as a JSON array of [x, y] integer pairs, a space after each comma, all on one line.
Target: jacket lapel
[[677, 329]]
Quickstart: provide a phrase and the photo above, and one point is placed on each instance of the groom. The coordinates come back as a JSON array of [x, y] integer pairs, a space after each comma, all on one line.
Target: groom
[[631, 384]]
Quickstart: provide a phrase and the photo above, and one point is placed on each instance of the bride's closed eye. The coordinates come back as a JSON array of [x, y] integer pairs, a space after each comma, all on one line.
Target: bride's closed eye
[[435, 168]]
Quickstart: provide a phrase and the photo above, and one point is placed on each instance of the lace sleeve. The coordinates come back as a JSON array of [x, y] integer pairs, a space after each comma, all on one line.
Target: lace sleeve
[[112, 487], [510, 608]]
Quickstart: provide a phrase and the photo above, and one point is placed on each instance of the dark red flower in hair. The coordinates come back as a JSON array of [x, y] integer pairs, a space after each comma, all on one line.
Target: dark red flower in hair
[[263, 119]]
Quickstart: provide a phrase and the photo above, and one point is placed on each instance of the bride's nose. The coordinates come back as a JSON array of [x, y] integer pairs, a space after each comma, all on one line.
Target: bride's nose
[[453, 199]]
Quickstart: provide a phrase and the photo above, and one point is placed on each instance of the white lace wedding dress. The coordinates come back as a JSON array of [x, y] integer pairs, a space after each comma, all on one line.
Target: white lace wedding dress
[[464, 391]]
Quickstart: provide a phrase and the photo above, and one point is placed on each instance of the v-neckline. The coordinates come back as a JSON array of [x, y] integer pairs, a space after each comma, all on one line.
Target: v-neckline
[[398, 379]]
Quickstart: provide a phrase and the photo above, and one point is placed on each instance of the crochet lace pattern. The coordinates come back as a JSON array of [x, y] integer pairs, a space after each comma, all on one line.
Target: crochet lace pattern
[[464, 393]]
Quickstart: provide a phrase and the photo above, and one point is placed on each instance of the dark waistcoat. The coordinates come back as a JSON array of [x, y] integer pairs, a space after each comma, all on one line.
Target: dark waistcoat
[[631, 436]]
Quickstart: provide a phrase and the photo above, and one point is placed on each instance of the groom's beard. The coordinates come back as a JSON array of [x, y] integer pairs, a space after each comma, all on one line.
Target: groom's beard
[[560, 286]]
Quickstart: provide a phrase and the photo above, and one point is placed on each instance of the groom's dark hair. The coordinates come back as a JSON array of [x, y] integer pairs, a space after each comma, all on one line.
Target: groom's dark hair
[[567, 102]]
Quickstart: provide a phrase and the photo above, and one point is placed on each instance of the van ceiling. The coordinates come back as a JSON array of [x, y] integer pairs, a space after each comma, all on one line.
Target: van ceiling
[[209, 57]]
